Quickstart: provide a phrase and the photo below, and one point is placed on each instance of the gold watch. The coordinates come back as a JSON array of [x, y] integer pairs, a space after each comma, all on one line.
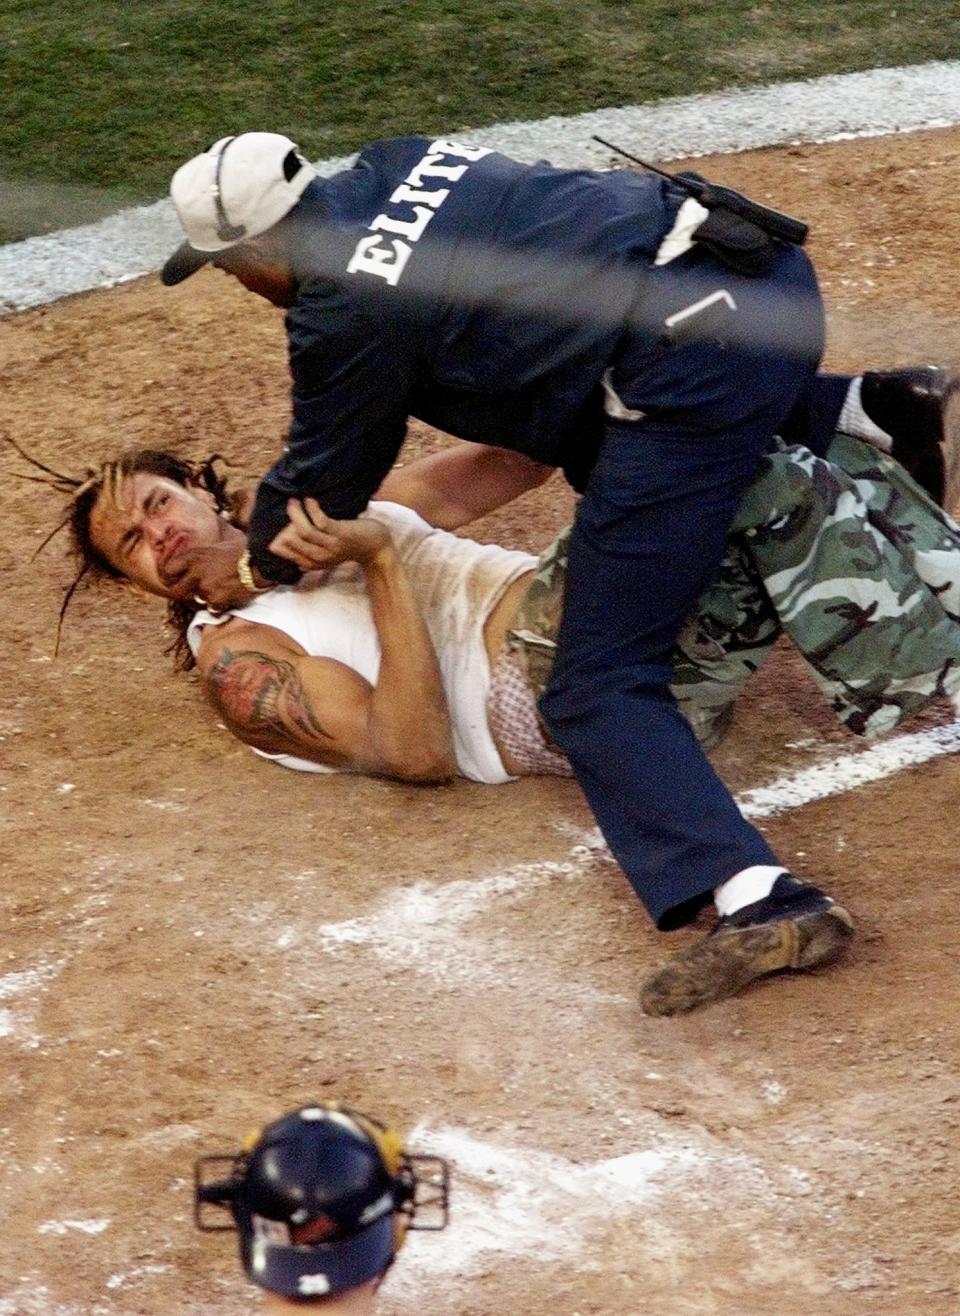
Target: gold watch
[[245, 574]]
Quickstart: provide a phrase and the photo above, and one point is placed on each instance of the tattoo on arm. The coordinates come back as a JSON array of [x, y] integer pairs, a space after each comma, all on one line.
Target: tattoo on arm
[[260, 694]]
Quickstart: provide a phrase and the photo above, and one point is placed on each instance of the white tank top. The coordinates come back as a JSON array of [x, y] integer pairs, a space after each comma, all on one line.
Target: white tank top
[[457, 583]]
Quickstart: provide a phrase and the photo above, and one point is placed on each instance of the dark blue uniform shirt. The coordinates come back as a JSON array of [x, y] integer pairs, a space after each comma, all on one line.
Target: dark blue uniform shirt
[[453, 284]]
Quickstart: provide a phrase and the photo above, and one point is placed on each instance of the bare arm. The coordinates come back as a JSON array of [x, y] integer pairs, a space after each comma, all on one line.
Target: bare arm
[[449, 489], [463, 482], [408, 724], [279, 699]]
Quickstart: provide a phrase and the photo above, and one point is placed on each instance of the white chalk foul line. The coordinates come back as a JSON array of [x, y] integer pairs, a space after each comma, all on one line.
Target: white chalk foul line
[[28, 984], [793, 790], [520, 1202], [136, 241], [95, 1226], [33, 1298], [848, 772], [23, 981], [423, 924]]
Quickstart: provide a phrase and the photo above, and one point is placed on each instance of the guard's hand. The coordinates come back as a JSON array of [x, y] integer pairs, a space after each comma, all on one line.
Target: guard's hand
[[209, 575], [316, 542]]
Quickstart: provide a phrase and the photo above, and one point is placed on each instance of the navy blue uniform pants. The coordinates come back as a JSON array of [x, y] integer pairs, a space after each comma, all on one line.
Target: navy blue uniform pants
[[685, 428]]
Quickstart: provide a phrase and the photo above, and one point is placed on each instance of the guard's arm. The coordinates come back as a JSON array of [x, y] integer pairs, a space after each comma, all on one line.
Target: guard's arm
[[352, 378]]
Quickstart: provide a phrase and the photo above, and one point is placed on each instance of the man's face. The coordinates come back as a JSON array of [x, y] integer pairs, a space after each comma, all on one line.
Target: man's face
[[259, 272], [151, 528]]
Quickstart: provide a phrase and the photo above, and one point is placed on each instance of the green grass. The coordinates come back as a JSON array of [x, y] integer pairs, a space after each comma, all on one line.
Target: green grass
[[102, 102]]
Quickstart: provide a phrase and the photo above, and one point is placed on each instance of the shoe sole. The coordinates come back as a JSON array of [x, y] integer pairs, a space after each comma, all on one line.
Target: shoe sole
[[725, 962]]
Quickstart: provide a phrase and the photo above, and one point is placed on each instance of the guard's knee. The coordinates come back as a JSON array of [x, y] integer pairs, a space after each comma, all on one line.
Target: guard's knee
[[575, 699]]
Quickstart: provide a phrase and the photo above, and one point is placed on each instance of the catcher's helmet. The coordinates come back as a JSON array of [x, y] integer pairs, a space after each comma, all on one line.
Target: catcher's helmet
[[322, 1199]]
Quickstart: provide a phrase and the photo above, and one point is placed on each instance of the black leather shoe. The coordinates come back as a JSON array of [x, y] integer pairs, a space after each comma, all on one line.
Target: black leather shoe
[[910, 405], [795, 927]]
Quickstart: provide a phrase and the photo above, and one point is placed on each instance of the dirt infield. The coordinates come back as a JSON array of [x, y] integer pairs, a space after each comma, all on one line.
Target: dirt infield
[[196, 940]]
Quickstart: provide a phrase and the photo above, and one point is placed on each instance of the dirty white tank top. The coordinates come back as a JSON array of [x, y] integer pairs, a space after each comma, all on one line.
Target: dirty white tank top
[[457, 583]]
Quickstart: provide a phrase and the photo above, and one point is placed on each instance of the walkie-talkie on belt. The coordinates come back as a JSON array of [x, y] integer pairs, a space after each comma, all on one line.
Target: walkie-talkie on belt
[[773, 222]]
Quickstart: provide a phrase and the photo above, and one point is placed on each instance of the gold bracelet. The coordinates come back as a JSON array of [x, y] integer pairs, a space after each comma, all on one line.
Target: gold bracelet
[[245, 575]]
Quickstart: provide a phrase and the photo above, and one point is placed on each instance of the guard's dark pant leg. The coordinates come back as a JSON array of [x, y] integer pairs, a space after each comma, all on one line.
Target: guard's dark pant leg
[[813, 418], [649, 535]]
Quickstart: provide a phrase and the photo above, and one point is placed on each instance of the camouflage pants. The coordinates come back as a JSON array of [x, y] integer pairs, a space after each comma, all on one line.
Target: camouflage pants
[[845, 555]]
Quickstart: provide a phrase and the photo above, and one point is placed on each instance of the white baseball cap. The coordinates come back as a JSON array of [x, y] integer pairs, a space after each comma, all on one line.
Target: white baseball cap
[[236, 190]]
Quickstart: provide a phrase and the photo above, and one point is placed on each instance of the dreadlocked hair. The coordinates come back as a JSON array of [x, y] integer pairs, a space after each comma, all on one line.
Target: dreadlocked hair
[[107, 480]]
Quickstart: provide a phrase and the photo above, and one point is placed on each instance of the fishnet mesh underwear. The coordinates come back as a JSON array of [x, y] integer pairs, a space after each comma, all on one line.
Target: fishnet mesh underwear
[[515, 723]]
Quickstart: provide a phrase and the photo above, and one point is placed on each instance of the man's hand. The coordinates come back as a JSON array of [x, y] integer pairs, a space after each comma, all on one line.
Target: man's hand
[[209, 575], [315, 542]]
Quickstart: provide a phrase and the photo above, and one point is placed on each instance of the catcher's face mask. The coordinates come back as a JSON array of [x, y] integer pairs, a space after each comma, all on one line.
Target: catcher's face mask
[[322, 1199]]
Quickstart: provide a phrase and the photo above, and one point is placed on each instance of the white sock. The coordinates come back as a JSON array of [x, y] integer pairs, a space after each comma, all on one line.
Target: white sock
[[854, 420], [746, 887]]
